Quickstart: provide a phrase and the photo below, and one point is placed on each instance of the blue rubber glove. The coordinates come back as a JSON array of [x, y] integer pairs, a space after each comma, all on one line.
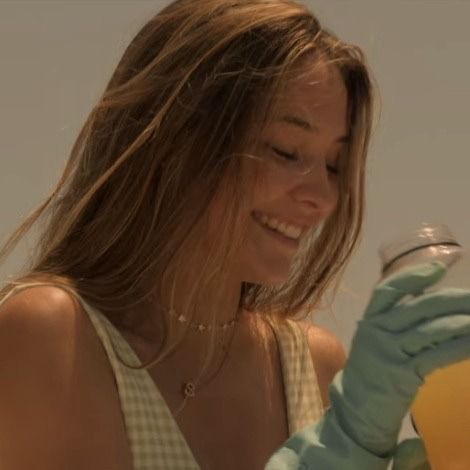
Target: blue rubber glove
[[397, 343], [410, 455]]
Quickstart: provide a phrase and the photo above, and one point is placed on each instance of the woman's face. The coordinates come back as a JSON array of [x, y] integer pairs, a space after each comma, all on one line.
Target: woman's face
[[310, 122]]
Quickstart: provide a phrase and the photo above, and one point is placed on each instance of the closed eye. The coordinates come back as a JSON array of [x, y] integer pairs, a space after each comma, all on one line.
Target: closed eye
[[287, 156], [292, 157]]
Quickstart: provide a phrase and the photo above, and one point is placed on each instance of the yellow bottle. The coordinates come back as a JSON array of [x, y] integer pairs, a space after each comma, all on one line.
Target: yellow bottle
[[441, 413], [441, 409]]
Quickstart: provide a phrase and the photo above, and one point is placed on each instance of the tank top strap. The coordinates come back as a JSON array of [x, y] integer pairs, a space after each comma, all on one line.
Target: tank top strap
[[304, 403]]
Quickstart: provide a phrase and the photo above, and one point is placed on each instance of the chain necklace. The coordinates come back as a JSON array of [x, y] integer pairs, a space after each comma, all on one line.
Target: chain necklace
[[190, 387]]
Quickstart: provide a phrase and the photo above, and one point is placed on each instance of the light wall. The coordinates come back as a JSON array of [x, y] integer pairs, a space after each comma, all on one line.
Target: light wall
[[57, 55]]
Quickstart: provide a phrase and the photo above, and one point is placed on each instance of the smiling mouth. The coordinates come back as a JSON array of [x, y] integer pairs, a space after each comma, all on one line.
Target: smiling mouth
[[278, 236], [290, 230]]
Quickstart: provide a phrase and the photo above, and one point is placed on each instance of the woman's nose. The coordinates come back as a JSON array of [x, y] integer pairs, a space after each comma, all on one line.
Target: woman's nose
[[319, 190]]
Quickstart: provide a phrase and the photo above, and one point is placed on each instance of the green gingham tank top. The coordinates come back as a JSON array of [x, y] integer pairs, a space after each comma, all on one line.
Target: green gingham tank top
[[154, 437]]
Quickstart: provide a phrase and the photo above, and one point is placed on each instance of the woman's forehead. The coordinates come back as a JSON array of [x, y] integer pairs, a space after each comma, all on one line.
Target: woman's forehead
[[311, 83], [317, 98]]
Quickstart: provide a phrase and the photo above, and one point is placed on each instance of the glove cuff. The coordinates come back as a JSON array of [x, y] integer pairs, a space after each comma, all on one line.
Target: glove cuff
[[325, 445]]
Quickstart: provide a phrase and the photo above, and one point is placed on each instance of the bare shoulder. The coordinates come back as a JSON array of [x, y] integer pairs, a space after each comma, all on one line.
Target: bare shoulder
[[37, 319], [43, 322], [37, 309], [328, 355], [46, 396]]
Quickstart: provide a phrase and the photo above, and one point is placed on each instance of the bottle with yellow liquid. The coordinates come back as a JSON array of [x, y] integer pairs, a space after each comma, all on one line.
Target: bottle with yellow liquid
[[441, 409]]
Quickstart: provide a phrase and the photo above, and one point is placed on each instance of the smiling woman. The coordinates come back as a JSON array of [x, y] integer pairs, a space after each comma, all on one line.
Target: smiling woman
[[213, 195]]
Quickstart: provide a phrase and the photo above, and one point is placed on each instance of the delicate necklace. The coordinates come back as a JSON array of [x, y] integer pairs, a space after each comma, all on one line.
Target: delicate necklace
[[201, 327], [190, 387]]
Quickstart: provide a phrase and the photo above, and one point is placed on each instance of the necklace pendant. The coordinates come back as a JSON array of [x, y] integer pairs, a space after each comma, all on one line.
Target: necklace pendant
[[189, 390]]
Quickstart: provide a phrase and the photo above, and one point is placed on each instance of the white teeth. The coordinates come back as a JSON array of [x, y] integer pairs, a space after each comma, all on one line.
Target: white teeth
[[288, 230]]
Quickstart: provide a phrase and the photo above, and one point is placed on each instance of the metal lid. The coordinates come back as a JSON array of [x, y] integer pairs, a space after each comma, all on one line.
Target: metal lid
[[426, 234]]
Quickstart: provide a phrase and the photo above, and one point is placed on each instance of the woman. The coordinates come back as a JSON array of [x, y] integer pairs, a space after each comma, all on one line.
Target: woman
[[213, 195]]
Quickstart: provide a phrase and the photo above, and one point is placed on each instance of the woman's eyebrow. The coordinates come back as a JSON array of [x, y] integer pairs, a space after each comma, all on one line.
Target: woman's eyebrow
[[305, 125]]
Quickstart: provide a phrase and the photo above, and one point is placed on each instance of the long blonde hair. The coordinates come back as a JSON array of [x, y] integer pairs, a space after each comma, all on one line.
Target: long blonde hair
[[194, 84]]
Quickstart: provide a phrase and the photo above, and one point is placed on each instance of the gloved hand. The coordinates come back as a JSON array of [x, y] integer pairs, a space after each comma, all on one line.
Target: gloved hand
[[395, 346], [410, 455]]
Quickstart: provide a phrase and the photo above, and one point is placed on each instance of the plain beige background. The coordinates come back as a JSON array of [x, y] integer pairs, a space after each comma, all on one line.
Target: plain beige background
[[57, 55]]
